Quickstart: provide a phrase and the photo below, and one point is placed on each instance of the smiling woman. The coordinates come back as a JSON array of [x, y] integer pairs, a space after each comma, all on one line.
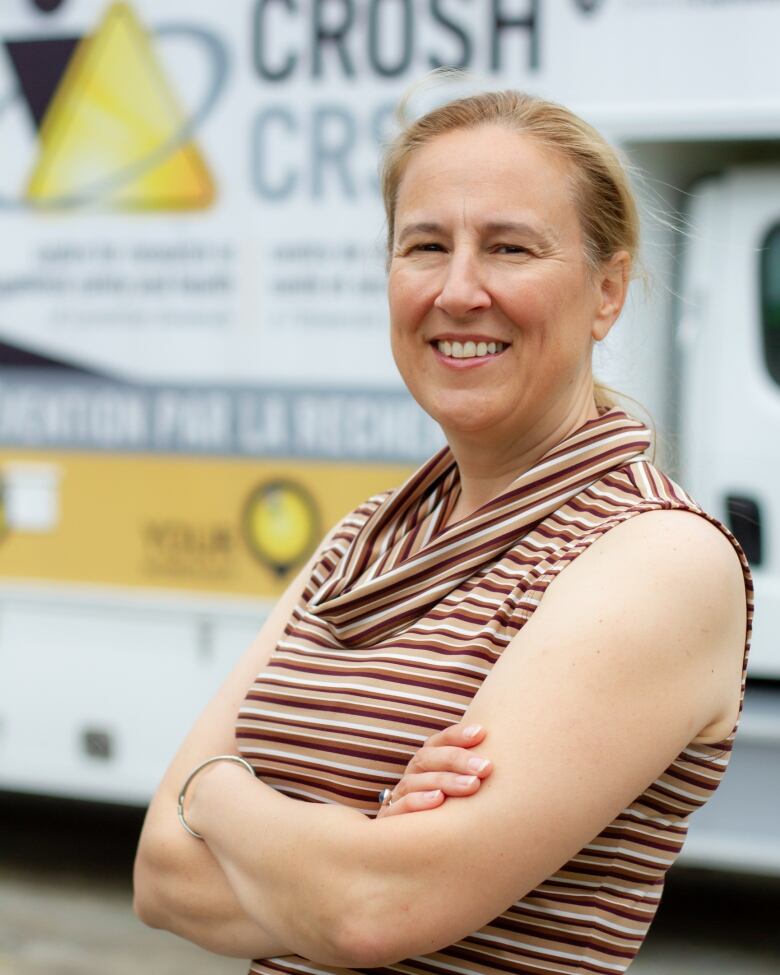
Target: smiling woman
[[488, 248], [507, 593]]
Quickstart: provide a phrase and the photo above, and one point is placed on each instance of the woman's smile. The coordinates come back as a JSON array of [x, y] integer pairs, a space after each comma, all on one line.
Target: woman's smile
[[466, 351]]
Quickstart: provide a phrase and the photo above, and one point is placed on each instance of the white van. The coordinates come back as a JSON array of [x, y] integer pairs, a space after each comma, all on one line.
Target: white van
[[194, 373]]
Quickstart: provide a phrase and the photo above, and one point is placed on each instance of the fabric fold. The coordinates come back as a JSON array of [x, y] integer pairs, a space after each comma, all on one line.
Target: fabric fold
[[401, 563]]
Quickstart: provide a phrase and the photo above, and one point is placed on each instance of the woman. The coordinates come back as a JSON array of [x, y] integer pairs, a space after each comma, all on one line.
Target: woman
[[610, 692]]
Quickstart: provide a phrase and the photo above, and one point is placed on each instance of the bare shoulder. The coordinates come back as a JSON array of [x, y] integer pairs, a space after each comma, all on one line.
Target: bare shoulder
[[661, 550], [674, 574], [680, 533]]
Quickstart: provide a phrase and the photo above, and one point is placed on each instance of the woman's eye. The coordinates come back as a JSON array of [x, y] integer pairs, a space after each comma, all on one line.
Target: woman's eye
[[428, 246], [511, 249]]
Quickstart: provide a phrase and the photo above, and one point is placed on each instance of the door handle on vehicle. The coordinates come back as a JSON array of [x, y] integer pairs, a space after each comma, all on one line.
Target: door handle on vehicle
[[744, 520]]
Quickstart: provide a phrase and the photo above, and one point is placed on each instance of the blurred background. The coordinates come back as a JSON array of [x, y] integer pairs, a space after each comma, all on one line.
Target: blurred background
[[195, 383]]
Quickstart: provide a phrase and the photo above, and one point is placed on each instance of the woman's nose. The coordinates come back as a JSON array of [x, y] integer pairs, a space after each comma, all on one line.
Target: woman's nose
[[463, 290]]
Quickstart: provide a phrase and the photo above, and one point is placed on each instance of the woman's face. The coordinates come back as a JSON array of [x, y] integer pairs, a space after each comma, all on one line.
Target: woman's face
[[492, 306]]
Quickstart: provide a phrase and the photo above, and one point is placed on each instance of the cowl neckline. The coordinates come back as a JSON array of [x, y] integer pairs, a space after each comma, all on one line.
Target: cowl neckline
[[405, 558]]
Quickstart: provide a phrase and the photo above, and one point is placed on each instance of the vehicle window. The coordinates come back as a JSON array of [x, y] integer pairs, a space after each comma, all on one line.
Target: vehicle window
[[770, 301]]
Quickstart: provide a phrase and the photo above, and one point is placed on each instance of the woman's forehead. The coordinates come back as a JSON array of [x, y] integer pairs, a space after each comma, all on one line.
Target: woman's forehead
[[487, 174]]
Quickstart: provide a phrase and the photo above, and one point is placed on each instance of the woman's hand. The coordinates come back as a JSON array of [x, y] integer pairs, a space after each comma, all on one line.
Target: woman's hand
[[444, 766]]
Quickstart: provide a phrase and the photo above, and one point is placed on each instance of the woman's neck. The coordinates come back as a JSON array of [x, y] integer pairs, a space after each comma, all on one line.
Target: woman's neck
[[488, 465]]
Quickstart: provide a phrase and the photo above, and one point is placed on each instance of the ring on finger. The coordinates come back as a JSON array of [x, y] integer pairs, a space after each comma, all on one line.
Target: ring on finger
[[385, 797]]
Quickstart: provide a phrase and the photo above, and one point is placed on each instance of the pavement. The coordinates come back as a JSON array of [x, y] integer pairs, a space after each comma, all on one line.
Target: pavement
[[71, 927], [65, 907]]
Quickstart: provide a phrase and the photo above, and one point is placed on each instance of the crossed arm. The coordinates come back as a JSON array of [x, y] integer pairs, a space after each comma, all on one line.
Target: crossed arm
[[635, 650]]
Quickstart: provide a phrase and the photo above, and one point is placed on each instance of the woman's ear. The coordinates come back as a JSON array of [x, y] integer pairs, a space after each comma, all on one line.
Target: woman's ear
[[612, 282]]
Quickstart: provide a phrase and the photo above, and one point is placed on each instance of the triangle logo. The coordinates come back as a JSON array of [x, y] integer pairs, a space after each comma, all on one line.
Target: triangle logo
[[39, 65], [114, 133]]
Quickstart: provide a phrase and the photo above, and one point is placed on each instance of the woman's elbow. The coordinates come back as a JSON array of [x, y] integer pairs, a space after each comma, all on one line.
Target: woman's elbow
[[363, 946], [365, 936], [146, 910], [145, 905], [350, 946], [147, 886], [387, 928]]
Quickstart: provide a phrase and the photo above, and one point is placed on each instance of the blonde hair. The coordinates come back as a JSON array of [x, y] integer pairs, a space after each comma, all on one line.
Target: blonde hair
[[602, 192]]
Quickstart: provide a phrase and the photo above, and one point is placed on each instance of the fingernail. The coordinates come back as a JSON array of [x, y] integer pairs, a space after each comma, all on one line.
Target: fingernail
[[432, 795], [478, 764], [472, 731], [466, 779]]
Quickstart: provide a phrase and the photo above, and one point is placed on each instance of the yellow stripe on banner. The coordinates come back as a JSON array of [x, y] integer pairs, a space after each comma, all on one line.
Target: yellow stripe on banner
[[211, 525]]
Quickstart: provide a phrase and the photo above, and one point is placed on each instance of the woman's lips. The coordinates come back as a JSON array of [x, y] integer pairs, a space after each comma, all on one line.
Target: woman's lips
[[467, 354]]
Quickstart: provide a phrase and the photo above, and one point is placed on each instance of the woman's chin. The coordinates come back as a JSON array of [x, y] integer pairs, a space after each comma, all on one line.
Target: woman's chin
[[465, 422]]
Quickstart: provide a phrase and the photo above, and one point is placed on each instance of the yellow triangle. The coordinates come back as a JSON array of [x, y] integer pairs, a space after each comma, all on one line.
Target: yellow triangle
[[109, 134]]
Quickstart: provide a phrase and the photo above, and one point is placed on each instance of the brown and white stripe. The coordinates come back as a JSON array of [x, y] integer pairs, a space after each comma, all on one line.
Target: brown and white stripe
[[402, 620]]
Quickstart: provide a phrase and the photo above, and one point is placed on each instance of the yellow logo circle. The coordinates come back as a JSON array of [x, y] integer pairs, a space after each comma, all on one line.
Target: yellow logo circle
[[281, 524], [3, 522]]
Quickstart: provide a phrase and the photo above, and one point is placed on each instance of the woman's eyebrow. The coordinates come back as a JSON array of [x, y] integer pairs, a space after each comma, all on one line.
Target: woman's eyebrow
[[543, 234], [546, 235], [424, 227]]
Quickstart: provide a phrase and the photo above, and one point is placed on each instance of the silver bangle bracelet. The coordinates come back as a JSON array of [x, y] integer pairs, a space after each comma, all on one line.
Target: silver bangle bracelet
[[191, 776]]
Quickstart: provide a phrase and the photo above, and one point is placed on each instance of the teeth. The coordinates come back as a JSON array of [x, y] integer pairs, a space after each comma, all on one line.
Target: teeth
[[468, 350]]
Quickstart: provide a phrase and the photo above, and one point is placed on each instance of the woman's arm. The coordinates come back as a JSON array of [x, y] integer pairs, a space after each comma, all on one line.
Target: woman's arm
[[177, 882], [634, 650], [179, 885]]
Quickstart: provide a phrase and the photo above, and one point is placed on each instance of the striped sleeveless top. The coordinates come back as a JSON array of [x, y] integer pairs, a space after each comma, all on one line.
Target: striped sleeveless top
[[399, 624]]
